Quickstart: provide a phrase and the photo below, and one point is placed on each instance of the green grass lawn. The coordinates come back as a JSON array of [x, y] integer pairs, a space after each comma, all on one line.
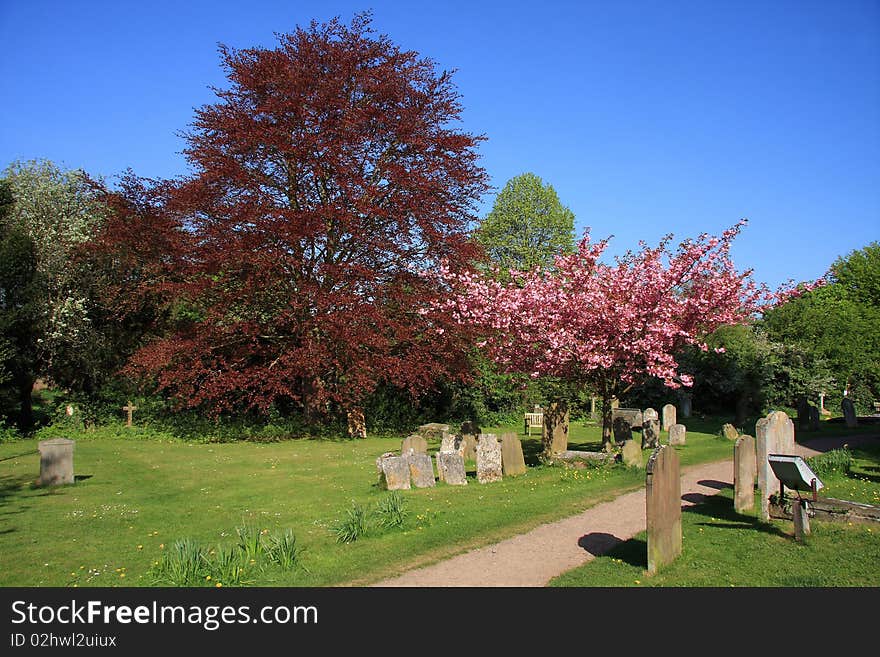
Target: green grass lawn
[[723, 548], [135, 497]]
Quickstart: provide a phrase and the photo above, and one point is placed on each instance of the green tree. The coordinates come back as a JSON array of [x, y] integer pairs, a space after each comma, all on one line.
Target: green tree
[[859, 274], [527, 226]]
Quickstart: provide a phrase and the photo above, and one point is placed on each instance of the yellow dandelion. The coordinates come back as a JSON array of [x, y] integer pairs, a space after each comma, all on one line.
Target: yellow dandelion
[[207, 577], [218, 584], [122, 574]]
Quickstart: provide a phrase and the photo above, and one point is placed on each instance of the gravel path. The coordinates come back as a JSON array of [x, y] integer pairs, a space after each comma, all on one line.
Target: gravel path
[[533, 558]]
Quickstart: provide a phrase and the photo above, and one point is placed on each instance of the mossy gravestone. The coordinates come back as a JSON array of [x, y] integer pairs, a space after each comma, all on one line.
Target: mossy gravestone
[[414, 442], [512, 460], [450, 468], [488, 459], [744, 474], [668, 416], [663, 508], [677, 434], [631, 454], [650, 429], [393, 472], [421, 469]]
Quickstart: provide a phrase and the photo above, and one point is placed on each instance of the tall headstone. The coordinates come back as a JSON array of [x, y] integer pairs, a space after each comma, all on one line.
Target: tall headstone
[[744, 474], [803, 414], [469, 433], [449, 442], [56, 461], [421, 470], [512, 460], [686, 401], [669, 416], [414, 443], [774, 434], [650, 429], [849, 413], [489, 466], [677, 434], [450, 468], [663, 507], [554, 435], [393, 472], [631, 454], [814, 418]]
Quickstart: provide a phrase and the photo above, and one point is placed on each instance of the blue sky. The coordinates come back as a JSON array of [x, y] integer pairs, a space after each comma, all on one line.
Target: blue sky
[[647, 117]]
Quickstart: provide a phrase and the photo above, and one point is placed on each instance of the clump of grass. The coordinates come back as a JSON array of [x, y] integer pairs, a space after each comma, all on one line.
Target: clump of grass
[[229, 566], [250, 541], [836, 461], [184, 564], [281, 549], [355, 525], [391, 511]]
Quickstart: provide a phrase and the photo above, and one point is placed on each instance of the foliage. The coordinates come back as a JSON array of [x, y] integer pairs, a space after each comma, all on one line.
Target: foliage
[[281, 549], [527, 226], [835, 461], [859, 274], [183, 564], [603, 327], [355, 525], [327, 178], [391, 510]]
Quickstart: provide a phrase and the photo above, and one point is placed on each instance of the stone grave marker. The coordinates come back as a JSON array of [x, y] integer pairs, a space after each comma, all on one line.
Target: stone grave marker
[[729, 431], [393, 472], [677, 434], [669, 416], [421, 469], [814, 418], [622, 430], [631, 454], [415, 443], [803, 414], [663, 507], [56, 461], [469, 433], [849, 413], [686, 402], [744, 474], [449, 442], [489, 466], [129, 408], [432, 430], [632, 416], [554, 435], [774, 434], [512, 460], [450, 468], [650, 429]]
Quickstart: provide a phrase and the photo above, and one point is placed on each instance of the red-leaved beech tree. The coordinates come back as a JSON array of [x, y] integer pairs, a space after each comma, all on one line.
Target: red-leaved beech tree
[[608, 326], [325, 180]]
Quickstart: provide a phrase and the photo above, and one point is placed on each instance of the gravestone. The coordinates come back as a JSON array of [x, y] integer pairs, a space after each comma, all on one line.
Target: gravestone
[[803, 414], [449, 442], [489, 466], [650, 429], [801, 519], [774, 434], [849, 413], [56, 461], [393, 472], [129, 408], [450, 468], [631, 454], [663, 508], [686, 399], [744, 473], [668, 416], [432, 430], [554, 435], [622, 430], [632, 416], [470, 428], [469, 433], [729, 431], [512, 460], [814, 418], [415, 443], [421, 469], [677, 434]]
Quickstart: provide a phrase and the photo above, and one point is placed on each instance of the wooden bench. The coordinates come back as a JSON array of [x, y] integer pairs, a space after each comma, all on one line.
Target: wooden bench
[[533, 420]]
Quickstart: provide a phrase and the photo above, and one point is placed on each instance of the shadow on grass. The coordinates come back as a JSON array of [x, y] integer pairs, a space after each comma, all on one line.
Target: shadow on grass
[[15, 456], [633, 551], [722, 514]]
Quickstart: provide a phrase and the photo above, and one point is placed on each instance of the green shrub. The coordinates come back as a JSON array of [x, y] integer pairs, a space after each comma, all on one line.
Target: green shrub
[[282, 550], [355, 525], [837, 461], [250, 541], [391, 510], [229, 566], [184, 564]]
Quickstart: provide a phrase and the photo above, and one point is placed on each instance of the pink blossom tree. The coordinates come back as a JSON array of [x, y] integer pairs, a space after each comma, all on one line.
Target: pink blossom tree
[[605, 327]]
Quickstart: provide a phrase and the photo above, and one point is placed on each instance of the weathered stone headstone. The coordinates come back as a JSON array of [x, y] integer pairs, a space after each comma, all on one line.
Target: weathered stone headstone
[[56, 461], [393, 472], [803, 414], [129, 408], [432, 430], [622, 430], [489, 466], [663, 508], [669, 416], [632, 416], [729, 431], [774, 434], [469, 433], [554, 435], [814, 418], [512, 460], [744, 474], [849, 413], [677, 434], [421, 469], [686, 400], [415, 443], [450, 468], [631, 454], [650, 429]]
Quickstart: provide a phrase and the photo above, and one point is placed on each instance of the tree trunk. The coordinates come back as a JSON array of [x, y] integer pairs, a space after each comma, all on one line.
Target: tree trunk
[[607, 435]]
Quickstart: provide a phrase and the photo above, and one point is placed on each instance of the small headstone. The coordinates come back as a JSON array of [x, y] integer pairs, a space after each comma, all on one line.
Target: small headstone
[[421, 469], [677, 434], [744, 474], [849, 413], [631, 454], [450, 468], [414, 443], [814, 418], [686, 399], [650, 432], [554, 435], [729, 431], [650, 414], [512, 460], [449, 442], [56, 461], [663, 508], [801, 519], [489, 466], [393, 472], [469, 433], [668, 416]]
